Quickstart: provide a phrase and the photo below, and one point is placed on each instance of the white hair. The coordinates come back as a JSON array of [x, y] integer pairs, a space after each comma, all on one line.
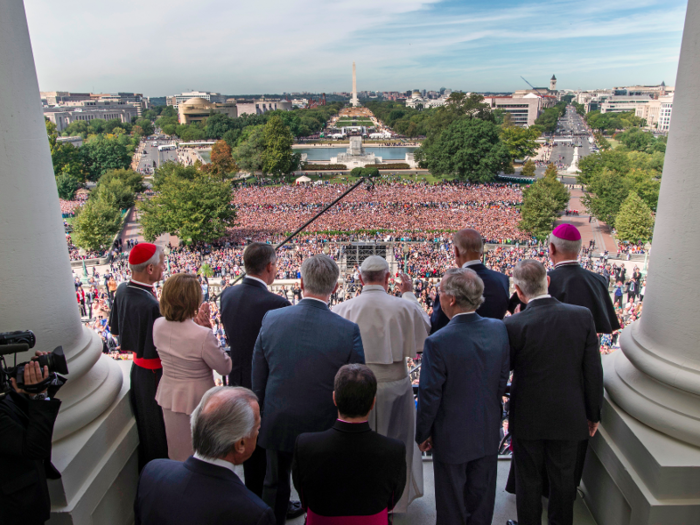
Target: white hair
[[465, 286], [531, 277], [215, 432], [320, 274], [154, 260], [564, 246]]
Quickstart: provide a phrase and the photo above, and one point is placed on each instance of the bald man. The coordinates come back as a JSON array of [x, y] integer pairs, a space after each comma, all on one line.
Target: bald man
[[469, 251]]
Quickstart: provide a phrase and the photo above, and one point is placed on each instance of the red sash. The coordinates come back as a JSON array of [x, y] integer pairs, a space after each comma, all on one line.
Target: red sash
[[381, 518], [149, 364]]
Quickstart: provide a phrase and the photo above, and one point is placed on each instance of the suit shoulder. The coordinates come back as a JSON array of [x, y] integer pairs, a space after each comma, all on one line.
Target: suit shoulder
[[159, 466], [496, 325]]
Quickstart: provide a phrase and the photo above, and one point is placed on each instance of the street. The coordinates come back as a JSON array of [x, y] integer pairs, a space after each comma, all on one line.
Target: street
[[151, 157]]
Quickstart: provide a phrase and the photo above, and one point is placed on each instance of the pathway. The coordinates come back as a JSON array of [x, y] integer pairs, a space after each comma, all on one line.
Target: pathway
[[596, 230]]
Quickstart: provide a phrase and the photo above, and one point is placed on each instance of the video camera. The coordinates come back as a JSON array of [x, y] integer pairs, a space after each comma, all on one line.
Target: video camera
[[21, 341]]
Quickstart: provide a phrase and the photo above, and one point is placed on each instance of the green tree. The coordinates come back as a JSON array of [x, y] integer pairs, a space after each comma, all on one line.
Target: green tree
[[116, 192], [248, 152], [528, 169], [604, 194], [67, 186], [469, 147], [521, 142], [278, 158], [132, 179], [100, 154], [539, 210], [95, 225], [146, 126], [222, 164], [64, 156], [196, 210], [556, 189], [635, 220]]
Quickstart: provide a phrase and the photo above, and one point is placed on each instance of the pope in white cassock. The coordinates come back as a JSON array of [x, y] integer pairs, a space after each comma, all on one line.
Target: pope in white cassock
[[392, 329]]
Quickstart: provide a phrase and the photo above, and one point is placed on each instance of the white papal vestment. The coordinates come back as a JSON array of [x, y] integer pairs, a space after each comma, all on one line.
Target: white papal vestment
[[392, 329]]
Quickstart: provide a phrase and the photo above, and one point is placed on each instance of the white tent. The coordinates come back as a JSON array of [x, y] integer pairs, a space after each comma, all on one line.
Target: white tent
[[303, 179]]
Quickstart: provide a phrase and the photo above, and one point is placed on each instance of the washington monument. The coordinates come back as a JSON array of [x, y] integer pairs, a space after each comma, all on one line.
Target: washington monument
[[354, 101]]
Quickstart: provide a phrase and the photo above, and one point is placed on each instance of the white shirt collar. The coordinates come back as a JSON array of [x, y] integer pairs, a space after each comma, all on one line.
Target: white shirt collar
[[314, 299], [256, 279], [543, 296], [463, 313], [560, 263], [142, 284], [370, 287], [471, 263], [215, 461]]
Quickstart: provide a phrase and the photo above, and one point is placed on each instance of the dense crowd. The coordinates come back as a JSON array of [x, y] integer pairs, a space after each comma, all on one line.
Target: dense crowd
[[68, 208], [393, 208]]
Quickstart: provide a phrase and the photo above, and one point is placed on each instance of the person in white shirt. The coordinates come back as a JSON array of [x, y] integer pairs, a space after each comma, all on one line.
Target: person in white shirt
[[392, 330]]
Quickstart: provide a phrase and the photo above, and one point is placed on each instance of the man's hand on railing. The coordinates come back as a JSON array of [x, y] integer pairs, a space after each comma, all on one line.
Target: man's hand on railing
[[592, 428]]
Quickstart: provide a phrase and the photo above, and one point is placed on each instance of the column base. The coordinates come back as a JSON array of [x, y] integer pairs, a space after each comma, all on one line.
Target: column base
[[99, 465], [635, 475]]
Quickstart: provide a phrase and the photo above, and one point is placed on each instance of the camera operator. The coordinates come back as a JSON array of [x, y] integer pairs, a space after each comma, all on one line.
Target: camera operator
[[26, 429]]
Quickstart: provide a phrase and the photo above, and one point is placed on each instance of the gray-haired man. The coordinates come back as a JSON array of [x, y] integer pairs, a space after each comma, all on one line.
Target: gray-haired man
[[463, 378], [296, 356], [205, 489]]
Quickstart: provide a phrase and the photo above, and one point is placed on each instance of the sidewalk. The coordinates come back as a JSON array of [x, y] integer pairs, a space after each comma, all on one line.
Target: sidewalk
[[598, 231]]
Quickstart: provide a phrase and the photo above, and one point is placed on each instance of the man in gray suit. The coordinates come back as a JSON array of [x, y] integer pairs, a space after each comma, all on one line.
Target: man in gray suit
[[464, 375], [297, 354]]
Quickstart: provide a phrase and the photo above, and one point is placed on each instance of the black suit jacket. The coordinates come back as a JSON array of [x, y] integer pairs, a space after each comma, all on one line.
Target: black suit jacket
[[26, 429], [571, 284], [349, 470], [496, 296], [196, 493], [242, 310], [557, 373]]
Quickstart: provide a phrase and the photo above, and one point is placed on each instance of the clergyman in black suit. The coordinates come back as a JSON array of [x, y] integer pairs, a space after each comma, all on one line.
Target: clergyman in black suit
[[350, 470], [205, 488], [242, 310], [463, 378], [556, 395], [469, 250]]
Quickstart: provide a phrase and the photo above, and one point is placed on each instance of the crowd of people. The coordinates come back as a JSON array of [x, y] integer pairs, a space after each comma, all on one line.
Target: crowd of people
[[391, 209], [69, 208]]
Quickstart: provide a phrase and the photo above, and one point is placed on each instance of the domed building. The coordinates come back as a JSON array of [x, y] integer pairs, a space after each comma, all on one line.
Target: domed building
[[198, 110]]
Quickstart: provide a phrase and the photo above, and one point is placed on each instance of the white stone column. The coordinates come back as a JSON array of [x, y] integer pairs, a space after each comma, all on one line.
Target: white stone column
[[659, 381], [36, 288], [643, 466]]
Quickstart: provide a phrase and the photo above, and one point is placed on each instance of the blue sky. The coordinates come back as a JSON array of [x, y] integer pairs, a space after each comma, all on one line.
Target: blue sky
[[161, 47]]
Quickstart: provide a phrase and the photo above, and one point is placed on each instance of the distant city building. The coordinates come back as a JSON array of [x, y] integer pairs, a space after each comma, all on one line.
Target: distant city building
[[522, 110], [553, 83], [63, 116], [260, 106], [621, 104], [75, 141], [198, 110], [175, 100], [665, 113], [67, 99], [416, 100], [157, 101]]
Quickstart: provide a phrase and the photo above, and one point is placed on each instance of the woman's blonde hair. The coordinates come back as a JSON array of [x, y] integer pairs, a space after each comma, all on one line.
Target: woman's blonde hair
[[181, 297]]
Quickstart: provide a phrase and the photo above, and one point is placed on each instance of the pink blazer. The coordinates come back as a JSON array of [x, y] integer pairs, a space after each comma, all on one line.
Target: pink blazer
[[189, 353]]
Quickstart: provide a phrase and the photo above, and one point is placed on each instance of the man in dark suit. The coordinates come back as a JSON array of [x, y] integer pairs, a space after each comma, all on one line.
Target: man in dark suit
[[26, 429], [297, 354], [463, 378], [242, 310], [469, 250], [571, 284], [205, 489], [556, 395], [350, 458]]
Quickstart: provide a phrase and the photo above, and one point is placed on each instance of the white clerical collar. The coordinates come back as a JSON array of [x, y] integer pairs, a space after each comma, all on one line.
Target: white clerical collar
[[561, 263], [256, 279], [371, 287], [543, 296], [215, 461], [463, 313], [142, 284], [471, 263], [314, 299]]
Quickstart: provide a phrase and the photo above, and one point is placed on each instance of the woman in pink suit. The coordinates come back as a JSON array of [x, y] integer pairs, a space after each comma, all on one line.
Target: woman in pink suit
[[189, 352]]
